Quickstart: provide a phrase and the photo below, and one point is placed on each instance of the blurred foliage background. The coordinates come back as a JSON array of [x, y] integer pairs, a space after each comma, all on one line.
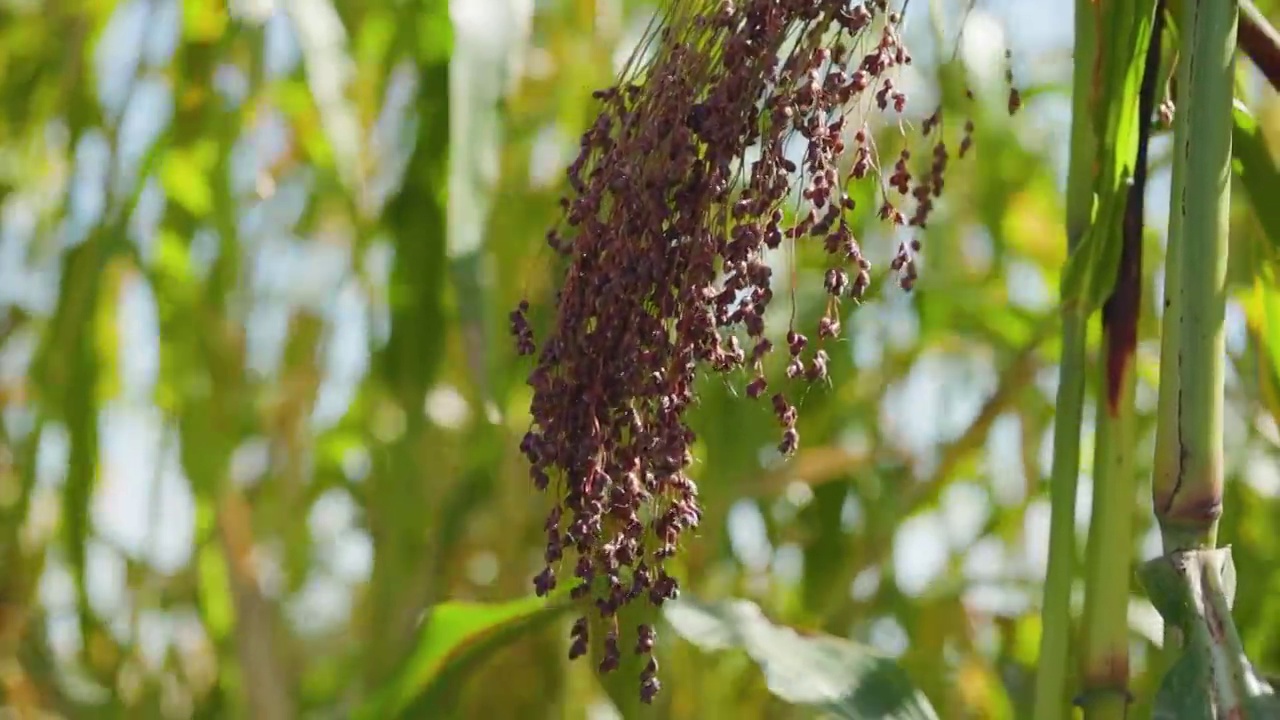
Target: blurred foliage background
[[258, 456]]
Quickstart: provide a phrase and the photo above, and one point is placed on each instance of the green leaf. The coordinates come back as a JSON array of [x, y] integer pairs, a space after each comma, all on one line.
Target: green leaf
[[457, 636], [1091, 268], [1129, 26], [840, 677], [1181, 695], [1252, 161]]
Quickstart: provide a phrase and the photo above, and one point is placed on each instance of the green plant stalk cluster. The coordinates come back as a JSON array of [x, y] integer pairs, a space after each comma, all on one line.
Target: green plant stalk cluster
[[1111, 49]]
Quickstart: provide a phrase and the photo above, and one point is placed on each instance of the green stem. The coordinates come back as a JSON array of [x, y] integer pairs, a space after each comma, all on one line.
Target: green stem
[[1167, 461], [1052, 698], [1109, 555], [1188, 500]]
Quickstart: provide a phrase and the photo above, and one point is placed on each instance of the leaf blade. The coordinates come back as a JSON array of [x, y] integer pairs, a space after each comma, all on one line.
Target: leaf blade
[[456, 636], [1258, 173], [843, 678]]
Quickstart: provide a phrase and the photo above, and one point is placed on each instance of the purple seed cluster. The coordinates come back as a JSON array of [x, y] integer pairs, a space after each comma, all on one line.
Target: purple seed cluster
[[665, 232]]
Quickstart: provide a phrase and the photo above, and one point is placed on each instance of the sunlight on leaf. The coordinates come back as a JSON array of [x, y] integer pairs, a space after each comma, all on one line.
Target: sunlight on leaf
[[184, 174], [203, 20], [457, 636], [1258, 173], [843, 678]]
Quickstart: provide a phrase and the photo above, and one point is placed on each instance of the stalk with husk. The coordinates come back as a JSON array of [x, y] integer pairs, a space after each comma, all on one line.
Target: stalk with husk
[[1193, 584], [1187, 486]]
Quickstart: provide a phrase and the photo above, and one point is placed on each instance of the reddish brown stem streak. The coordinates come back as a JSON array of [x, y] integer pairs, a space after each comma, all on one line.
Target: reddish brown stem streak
[[1120, 313]]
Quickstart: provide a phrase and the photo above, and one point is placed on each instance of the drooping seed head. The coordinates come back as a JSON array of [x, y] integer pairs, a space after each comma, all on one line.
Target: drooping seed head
[[665, 241]]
